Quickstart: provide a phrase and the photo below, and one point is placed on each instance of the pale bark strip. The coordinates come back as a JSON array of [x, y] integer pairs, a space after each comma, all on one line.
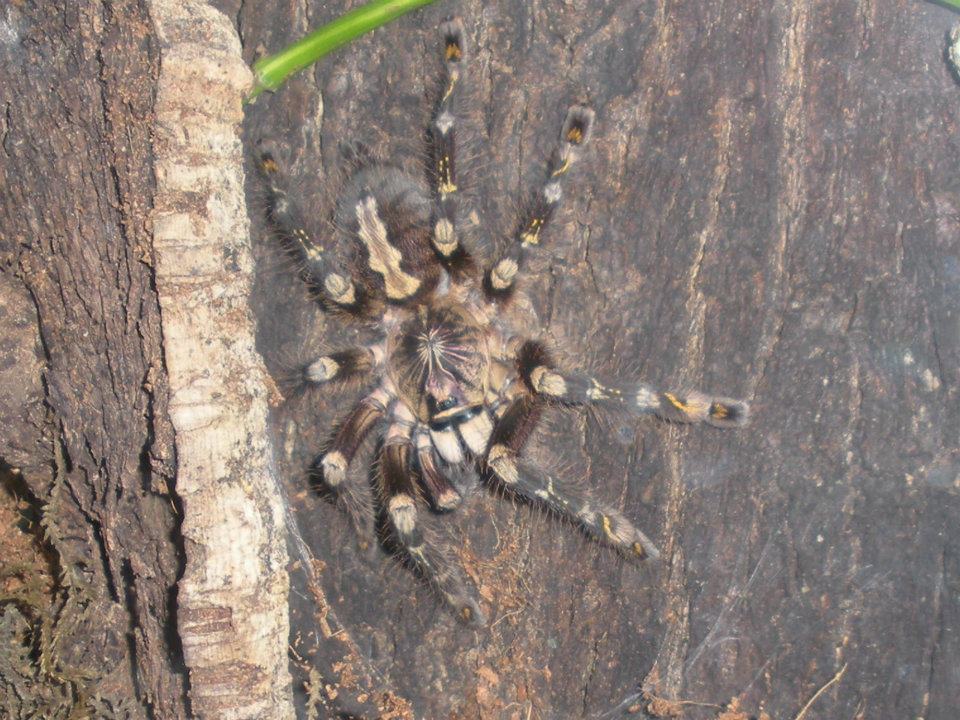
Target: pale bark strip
[[233, 595]]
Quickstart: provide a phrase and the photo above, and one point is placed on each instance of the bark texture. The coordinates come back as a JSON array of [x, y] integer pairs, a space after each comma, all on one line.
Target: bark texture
[[86, 438], [232, 598], [769, 210], [123, 196]]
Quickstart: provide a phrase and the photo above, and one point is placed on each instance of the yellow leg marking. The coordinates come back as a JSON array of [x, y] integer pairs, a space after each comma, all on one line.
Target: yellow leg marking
[[503, 274], [444, 238], [501, 460], [310, 249], [638, 550], [403, 513], [447, 186], [269, 165], [552, 493], [575, 135], [601, 392], [547, 382], [454, 76], [531, 236], [563, 168], [340, 289], [453, 52], [608, 528], [672, 399], [719, 411], [384, 257]]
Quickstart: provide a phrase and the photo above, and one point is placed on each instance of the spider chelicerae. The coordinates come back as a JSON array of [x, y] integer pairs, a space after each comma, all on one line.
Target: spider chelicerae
[[459, 379]]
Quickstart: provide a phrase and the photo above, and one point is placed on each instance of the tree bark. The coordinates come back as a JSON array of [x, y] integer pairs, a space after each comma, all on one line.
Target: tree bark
[[161, 513], [78, 85], [769, 209], [231, 601]]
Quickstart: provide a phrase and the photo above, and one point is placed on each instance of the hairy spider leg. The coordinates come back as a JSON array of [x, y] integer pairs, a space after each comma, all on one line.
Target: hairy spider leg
[[499, 279], [443, 150], [544, 379], [517, 423], [350, 435], [503, 386], [428, 555], [354, 498], [565, 498], [323, 275], [439, 489], [343, 365]]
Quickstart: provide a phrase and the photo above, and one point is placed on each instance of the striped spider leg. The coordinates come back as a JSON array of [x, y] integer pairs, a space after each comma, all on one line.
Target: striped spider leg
[[575, 388], [500, 277], [343, 365], [574, 501], [428, 554], [332, 464], [323, 274], [442, 147]]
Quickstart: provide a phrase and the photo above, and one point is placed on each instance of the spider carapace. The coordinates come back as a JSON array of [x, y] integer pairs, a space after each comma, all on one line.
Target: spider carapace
[[458, 379]]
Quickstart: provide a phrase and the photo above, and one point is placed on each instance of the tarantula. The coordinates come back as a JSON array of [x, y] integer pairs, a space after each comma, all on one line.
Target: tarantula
[[461, 384]]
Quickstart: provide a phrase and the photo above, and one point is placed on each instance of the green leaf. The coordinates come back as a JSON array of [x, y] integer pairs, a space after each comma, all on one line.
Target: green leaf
[[271, 72]]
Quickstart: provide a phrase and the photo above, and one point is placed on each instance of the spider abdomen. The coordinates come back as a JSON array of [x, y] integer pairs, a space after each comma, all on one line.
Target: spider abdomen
[[388, 212]]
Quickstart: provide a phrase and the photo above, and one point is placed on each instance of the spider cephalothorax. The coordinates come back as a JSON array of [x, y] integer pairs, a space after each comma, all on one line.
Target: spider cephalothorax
[[459, 379], [439, 361]]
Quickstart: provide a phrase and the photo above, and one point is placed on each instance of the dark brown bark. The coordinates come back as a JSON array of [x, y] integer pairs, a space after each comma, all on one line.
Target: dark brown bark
[[77, 177], [769, 210]]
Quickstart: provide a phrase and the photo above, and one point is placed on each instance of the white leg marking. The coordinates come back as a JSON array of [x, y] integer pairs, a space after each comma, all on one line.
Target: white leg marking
[[403, 513], [448, 445], [476, 432], [334, 466]]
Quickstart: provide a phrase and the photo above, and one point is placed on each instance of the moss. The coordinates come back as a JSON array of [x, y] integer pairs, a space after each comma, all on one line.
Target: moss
[[45, 610]]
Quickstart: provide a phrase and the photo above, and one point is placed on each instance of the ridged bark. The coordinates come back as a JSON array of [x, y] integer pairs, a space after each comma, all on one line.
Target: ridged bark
[[232, 598]]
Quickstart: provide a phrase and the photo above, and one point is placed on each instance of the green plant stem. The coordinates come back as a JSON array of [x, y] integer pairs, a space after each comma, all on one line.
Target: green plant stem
[[271, 72]]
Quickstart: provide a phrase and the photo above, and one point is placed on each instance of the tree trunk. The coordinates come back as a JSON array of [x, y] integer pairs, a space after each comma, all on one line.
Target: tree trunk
[[78, 90], [127, 227], [769, 209]]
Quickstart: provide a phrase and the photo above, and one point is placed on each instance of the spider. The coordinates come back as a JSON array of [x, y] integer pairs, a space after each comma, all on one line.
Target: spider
[[459, 381]]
